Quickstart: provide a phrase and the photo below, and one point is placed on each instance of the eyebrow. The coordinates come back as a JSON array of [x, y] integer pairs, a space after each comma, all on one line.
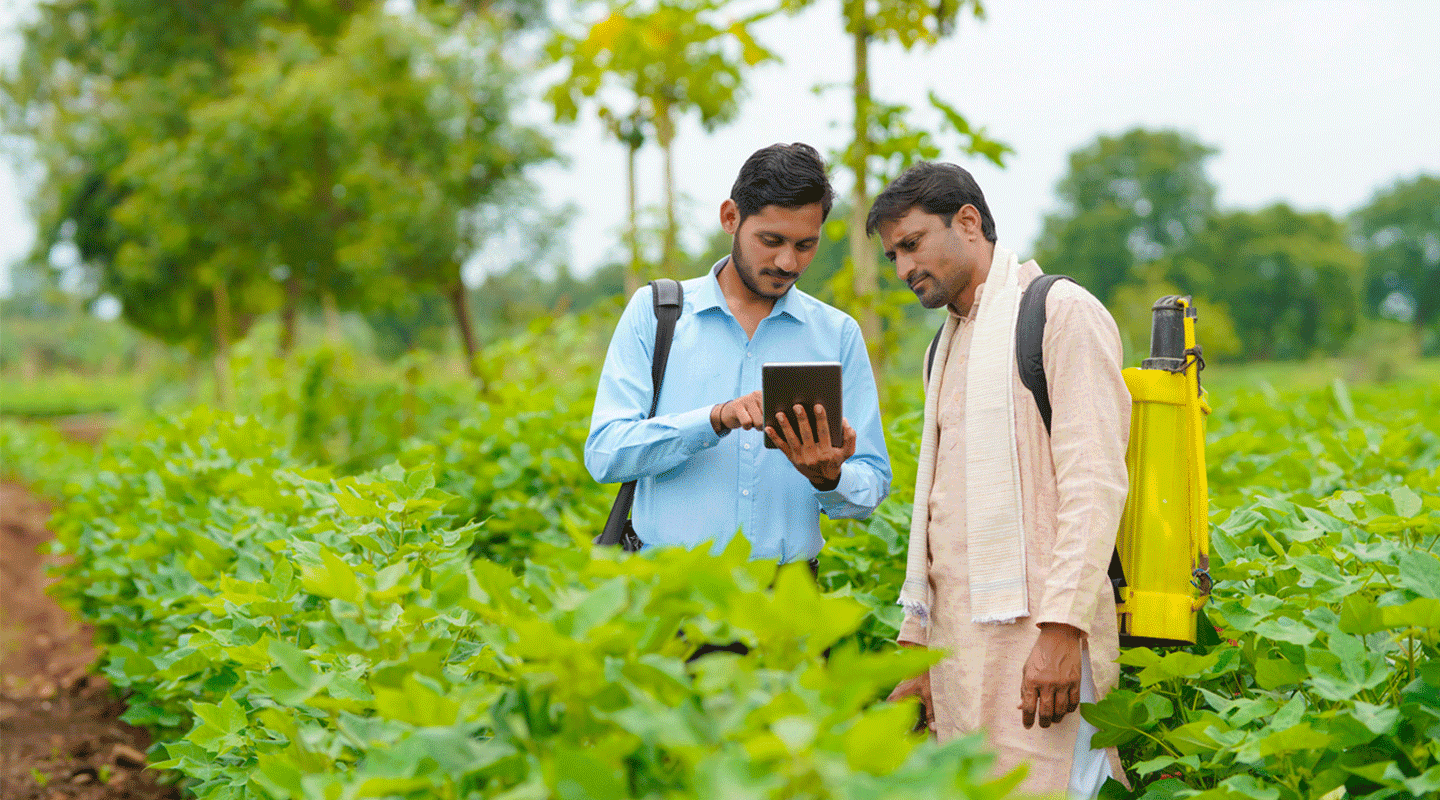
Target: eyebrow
[[890, 254], [774, 235]]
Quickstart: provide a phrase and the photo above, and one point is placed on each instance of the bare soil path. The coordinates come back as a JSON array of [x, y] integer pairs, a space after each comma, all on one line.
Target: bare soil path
[[60, 732]]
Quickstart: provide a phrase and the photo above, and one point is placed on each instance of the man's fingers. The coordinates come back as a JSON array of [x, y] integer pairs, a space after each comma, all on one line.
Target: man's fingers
[[802, 418], [850, 438], [822, 427], [779, 441], [1045, 710], [907, 688], [751, 415], [783, 425], [1028, 699], [1074, 699]]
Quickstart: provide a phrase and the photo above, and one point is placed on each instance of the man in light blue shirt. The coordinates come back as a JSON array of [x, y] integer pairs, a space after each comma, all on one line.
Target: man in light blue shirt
[[701, 463]]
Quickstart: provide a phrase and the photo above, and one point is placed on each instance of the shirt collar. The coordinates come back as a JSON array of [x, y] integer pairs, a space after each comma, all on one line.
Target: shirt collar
[[711, 296]]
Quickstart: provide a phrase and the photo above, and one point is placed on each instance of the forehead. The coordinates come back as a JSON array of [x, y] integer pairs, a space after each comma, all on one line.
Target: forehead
[[916, 219], [802, 222]]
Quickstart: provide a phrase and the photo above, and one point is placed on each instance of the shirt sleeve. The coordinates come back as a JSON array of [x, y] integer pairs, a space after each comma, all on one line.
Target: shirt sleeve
[[623, 445], [1090, 427], [913, 631], [865, 476]]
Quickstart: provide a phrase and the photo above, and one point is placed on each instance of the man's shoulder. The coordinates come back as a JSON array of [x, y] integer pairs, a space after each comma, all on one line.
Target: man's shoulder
[[1069, 296], [820, 311]]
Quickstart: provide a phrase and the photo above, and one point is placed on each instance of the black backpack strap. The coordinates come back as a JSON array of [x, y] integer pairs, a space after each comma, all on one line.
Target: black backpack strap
[[669, 299], [930, 356], [1030, 341]]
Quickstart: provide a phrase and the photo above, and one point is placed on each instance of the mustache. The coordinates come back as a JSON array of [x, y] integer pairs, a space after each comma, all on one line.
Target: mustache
[[775, 273], [914, 279]]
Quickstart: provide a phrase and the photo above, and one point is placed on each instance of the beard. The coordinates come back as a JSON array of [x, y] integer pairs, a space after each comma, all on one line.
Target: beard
[[936, 293], [751, 278]]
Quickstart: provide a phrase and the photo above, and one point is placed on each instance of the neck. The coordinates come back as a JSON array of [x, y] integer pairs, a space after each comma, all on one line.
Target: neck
[[737, 295], [979, 273]]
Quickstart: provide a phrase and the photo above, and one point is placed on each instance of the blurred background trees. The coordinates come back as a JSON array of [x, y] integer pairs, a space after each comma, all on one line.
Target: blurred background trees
[[210, 170]]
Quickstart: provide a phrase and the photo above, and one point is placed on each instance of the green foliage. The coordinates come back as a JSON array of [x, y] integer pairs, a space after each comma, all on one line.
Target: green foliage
[[289, 634], [1327, 602], [268, 155], [290, 630], [1400, 231]]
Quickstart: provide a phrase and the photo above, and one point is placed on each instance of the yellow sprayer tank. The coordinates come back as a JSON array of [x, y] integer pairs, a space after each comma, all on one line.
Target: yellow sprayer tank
[[1164, 538]]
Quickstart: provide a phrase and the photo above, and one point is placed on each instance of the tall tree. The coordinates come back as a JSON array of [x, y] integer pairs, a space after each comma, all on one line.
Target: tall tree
[[1290, 279], [1126, 201], [250, 155], [883, 140], [1400, 237], [664, 61]]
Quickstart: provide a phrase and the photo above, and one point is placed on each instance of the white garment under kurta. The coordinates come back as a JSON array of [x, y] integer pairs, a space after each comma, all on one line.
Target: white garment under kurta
[[1073, 483]]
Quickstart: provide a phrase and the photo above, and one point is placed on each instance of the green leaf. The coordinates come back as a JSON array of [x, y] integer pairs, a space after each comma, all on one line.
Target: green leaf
[[1420, 573], [580, 776], [1407, 502], [335, 579], [1272, 673]]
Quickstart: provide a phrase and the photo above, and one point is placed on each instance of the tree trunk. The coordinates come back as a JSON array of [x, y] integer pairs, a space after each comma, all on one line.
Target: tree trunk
[[665, 135], [221, 295], [632, 230], [455, 293], [289, 314], [862, 251], [332, 318]]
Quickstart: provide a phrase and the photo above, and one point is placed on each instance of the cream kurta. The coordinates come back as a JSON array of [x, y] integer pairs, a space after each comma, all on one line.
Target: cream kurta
[[1073, 484]]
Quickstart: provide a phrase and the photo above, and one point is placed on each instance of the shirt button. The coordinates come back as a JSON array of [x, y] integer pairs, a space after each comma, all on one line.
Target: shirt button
[[747, 445], [749, 355], [745, 492]]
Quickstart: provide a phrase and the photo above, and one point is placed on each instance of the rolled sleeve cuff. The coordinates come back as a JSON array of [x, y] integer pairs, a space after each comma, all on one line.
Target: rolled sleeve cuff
[[695, 429], [912, 631], [841, 502]]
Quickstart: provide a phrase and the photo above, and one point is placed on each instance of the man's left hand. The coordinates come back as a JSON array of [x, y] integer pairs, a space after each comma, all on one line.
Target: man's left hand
[[1050, 683], [819, 461]]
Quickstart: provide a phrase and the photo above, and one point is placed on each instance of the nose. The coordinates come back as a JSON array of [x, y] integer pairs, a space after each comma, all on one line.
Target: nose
[[785, 259], [903, 267]]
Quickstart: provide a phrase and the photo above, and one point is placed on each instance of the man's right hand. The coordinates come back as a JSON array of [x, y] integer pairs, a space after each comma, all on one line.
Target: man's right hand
[[918, 685], [742, 412]]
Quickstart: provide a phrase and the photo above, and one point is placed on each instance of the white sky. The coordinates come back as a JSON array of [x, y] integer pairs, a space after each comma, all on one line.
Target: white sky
[[1315, 102]]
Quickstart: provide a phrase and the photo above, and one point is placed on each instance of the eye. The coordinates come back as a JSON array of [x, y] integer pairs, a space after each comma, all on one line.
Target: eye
[[771, 241], [805, 247]]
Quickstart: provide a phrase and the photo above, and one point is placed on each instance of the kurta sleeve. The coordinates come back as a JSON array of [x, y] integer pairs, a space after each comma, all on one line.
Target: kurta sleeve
[[912, 631], [1090, 427]]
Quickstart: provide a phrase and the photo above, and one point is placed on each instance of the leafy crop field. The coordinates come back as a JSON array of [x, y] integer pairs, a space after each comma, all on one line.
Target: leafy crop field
[[303, 606]]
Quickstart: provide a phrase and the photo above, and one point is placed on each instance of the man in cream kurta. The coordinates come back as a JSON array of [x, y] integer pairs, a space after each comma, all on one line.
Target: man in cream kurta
[[1060, 648]]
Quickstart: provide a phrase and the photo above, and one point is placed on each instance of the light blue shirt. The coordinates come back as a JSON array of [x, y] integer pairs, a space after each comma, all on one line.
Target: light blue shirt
[[695, 486]]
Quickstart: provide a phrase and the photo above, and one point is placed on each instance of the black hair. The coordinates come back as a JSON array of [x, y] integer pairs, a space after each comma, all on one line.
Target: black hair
[[785, 175], [938, 188]]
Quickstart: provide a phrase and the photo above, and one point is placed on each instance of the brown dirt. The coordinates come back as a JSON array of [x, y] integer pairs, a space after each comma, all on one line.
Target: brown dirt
[[60, 732]]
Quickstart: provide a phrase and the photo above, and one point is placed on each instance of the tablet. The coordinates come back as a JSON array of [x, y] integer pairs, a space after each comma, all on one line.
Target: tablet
[[783, 384]]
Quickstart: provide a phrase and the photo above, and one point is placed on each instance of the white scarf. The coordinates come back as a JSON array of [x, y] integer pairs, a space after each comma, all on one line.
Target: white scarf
[[994, 530]]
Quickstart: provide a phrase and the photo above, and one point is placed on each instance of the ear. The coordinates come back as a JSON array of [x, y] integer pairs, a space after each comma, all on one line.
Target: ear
[[730, 216], [968, 220]]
